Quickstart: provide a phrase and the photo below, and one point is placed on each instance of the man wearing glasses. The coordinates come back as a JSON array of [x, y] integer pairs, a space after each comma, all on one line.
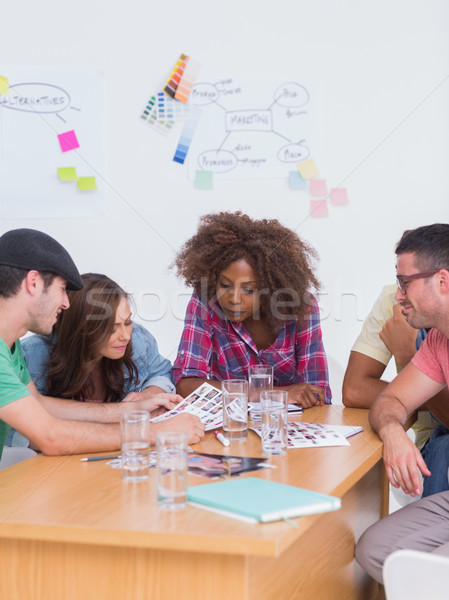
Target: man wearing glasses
[[423, 292]]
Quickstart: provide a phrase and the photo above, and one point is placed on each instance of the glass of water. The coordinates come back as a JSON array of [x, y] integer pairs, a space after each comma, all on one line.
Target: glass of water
[[135, 444], [274, 421], [235, 408], [171, 461]]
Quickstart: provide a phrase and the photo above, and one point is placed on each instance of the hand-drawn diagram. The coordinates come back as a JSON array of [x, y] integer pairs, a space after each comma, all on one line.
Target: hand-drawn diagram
[[234, 139], [52, 123]]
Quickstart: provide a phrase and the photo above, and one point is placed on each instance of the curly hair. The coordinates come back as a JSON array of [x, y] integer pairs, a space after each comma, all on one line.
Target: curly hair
[[79, 334], [281, 261]]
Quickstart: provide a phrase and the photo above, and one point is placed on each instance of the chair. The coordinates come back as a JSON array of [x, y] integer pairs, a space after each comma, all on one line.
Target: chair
[[413, 575], [336, 375], [13, 455]]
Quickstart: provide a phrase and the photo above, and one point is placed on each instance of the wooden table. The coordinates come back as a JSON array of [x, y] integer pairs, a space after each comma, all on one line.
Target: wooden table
[[72, 530]]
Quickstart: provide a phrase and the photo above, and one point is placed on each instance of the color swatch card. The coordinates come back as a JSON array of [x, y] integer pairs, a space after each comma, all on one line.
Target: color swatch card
[[171, 110], [174, 79], [150, 116], [186, 137], [187, 80]]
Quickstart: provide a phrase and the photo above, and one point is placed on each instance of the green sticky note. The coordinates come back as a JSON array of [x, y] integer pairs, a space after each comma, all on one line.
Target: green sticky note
[[67, 174], [87, 183], [4, 85], [204, 180]]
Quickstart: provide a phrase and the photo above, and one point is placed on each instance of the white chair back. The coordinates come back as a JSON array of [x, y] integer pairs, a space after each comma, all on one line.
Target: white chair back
[[13, 455], [413, 575], [336, 375]]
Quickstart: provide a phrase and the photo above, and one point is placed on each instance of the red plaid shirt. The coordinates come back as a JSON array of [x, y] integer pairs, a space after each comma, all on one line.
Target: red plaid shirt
[[213, 347]]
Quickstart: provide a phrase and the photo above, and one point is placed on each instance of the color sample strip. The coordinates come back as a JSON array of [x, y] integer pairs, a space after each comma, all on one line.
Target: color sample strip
[[150, 116], [186, 137], [339, 196], [67, 174], [171, 85], [171, 110], [319, 208], [188, 80], [149, 108]]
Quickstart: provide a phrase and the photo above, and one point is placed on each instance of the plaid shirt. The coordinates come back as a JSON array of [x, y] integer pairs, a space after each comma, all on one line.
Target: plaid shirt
[[213, 347]]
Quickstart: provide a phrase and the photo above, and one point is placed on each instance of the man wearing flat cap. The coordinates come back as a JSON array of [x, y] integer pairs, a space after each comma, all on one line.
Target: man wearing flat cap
[[35, 272]]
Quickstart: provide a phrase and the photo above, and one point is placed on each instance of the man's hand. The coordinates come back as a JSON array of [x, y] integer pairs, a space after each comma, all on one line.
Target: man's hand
[[306, 395], [399, 337], [185, 422], [403, 460]]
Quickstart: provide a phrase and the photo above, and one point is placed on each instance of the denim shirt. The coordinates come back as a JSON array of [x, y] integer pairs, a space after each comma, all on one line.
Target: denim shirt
[[152, 368]]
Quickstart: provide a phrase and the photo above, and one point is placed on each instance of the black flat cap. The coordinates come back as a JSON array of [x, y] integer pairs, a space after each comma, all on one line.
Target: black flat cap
[[36, 251]]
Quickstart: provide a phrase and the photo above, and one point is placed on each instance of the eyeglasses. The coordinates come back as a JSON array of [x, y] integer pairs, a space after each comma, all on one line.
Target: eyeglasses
[[403, 280]]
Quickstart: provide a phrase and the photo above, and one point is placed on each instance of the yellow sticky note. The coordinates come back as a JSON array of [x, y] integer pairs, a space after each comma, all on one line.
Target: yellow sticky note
[[87, 183], [4, 85], [67, 174], [308, 169]]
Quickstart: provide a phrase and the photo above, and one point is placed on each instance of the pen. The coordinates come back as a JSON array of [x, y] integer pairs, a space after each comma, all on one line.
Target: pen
[[221, 438], [90, 458]]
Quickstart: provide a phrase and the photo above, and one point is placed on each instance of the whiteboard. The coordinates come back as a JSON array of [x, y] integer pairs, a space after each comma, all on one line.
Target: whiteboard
[[378, 77]]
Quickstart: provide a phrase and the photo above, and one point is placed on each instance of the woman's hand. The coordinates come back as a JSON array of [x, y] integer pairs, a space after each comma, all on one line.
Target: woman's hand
[[306, 395], [155, 403]]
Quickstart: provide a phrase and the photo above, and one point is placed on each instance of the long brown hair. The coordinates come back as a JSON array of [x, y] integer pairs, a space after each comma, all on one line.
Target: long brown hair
[[80, 333]]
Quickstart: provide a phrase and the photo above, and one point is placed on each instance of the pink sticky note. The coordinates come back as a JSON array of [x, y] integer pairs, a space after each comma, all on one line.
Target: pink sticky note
[[68, 141], [318, 187], [339, 196], [318, 208]]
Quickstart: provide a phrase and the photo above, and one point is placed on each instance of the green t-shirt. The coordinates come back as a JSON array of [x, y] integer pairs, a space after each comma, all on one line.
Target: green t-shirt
[[14, 378]]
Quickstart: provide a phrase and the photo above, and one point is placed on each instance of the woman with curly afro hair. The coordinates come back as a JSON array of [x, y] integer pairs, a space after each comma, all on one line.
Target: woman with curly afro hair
[[252, 304]]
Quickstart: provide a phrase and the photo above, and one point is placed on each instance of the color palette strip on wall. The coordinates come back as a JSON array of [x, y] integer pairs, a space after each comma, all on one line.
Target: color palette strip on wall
[[171, 110], [150, 116], [171, 85], [186, 137], [187, 80]]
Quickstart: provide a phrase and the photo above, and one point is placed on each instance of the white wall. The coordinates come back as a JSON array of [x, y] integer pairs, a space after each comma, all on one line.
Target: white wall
[[383, 122]]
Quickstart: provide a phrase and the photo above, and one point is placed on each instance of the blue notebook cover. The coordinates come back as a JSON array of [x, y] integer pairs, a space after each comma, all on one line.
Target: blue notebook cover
[[260, 500]]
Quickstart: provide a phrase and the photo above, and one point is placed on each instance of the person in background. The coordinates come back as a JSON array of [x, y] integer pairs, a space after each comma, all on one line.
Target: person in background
[[386, 334], [423, 293], [95, 352], [35, 272], [252, 304]]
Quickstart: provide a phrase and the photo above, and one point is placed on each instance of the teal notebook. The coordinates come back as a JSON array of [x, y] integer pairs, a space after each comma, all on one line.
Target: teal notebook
[[258, 500]]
